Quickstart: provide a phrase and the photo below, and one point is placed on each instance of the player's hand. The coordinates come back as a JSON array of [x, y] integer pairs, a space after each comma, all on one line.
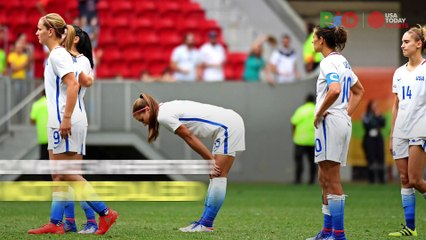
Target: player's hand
[[390, 145], [65, 128], [214, 170], [319, 118]]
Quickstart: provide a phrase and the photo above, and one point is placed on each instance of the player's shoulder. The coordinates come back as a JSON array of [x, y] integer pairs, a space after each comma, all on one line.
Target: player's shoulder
[[401, 69], [59, 52]]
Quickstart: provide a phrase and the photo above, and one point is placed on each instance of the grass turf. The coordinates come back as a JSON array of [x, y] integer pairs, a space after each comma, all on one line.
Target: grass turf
[[250, 211]]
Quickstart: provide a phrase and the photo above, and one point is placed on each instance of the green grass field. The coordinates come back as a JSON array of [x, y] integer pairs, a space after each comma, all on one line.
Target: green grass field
[[250, 211]]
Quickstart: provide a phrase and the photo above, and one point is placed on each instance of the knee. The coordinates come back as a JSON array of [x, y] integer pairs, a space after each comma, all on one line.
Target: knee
[[404, 179], [57, 177]]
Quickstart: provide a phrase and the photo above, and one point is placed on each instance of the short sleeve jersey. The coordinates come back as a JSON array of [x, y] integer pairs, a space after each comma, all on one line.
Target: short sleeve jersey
[[82, 65], [59, 64], [410, 88], [202, 120], [335, 69], [187, 59]]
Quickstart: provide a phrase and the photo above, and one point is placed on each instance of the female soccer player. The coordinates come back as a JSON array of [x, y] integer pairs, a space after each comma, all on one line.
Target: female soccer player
[[338, 94], [191, 120], [67, 124], [79, 45], [408, 132]]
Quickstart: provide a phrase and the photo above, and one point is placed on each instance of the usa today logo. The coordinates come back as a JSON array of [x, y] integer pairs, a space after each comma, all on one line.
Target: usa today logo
[[373, 20]]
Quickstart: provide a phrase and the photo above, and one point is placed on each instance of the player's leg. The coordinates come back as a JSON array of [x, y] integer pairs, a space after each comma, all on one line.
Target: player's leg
[[335, 197], [215, 196], [408, 197], [327, 224]]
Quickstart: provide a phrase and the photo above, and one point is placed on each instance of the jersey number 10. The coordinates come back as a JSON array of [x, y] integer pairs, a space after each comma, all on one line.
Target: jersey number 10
[[346, 87]]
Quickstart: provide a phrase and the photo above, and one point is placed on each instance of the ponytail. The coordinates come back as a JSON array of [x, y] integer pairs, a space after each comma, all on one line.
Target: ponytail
[[143, 101], [334, 36]]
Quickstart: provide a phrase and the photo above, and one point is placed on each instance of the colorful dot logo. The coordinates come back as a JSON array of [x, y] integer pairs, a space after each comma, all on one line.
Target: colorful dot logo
[[376, 19]]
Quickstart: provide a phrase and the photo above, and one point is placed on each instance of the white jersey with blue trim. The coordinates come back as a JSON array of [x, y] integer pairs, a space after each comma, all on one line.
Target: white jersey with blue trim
[[335, 68], [410, 87], [202, 120], [59, 64], [82, 65]]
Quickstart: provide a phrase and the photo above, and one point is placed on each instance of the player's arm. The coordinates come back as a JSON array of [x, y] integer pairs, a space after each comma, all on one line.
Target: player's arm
[[357, 91], [333, 94], [394, 114], [72, 92], [86, 80], [193, 141]]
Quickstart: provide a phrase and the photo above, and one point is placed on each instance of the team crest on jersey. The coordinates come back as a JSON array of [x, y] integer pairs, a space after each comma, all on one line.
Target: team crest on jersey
[[420, 78]]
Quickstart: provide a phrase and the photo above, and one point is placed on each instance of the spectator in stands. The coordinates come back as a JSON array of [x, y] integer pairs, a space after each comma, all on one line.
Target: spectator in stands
[[167, 76], [283, 64], [88, 9], [3, 61], [212, 59], [185, 60], [18, 63], [146, 77], [312, 59], [254, 63], [29, 51], [39, 118]]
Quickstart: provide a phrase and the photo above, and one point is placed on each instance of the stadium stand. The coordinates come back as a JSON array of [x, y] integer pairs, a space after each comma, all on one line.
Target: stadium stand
[[139, 34]]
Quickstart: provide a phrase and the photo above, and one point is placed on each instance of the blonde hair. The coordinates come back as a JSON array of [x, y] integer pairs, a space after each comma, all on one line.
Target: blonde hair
[[143, 101], [55, 21], [69, 40], [419, 32]]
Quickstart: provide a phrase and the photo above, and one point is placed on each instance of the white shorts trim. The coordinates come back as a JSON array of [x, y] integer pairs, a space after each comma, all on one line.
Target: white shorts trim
[[74, 143], [332, 138]]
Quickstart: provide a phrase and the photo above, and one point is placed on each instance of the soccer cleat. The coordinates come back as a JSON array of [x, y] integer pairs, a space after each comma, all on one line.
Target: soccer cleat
[[105, 222], [196, 227], [320, 236], [48, 228], [89, 228], [70, 227], [404, 232]]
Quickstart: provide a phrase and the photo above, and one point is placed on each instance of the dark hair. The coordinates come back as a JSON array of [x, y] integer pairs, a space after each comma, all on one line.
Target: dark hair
[[310, 98], [153, 126], [334, 36], [84, 45], [419, 34]]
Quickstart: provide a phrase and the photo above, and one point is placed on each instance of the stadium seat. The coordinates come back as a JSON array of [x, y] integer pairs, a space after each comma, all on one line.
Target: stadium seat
[[192, 10], [169, 9], [121, 8], [156, 68], [146, 9]]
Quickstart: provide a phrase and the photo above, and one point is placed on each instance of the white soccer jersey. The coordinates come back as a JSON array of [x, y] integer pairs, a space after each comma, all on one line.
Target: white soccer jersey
[[187, 59], [411, 90], [285, 61], [59, 63], [82, 65], [213, 54], [224, 126], [335, 68]]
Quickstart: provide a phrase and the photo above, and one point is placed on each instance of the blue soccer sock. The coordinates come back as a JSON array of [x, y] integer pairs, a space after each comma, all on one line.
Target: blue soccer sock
[[90, 214], [69, 205], [336, 204], [214, 200], [57, 207], [409, 204], [328, 224], [87, 193]]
